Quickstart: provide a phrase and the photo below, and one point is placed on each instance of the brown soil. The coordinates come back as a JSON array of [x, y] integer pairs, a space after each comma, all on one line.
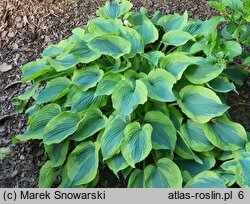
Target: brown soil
[[26, 28]]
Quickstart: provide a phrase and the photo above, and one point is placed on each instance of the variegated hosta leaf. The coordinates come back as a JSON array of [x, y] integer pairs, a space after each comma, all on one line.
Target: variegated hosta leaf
[[92, 122], [112, 137], [64, 62], [47, 175], [159, 84], [200, 104], [82, 165], [114, 9], [107, 83], [87, 77], [221, 84], [136, 179], [54, 90], [176, 63], [164, 133], [176, 117], [243, 172], [114, 46], [195, 136], [176, 37], [39, 121], [226, 134], [203, 71], [165, 174], [126, 96], [57, 152], [137, 144], [60, 127], [206, 179], [117, 163]]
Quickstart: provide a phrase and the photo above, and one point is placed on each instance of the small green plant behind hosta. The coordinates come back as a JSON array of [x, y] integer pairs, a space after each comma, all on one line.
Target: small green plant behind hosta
[[145, 97]]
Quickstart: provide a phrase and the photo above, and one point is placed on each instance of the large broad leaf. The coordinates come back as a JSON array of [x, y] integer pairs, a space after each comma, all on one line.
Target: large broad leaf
[[82, 165], [136, 179], [195, 136], [164, 133], [54, 90], [176, 37], [83, 53], [203, 71], [173, 22], [62, 63], [57, 152], [226, 134], [176, 117], [200, 104], [117, 163], [114, 9], [194, 27], [134, 38], [206, 179], [126, 96], [47, 175], [114, 46], [60, 127], [176, 63], [92, 122], [107, 83], [231, 49], [87, 77], [112, 137], [39, 121], [236, 74], [148, 31], [234, 4], [159, 84], [243, 172], [154, 57], [84, 100], [165, 174], [221, 84], [137, 144]]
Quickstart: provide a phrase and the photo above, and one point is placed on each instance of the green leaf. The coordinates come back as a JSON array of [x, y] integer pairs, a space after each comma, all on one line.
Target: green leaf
[[35, 69], [60, 127], [87, 77], [136, 179], [176, 63], [234, 4], [173, 22], [114, 9], [231, 49], [200, 104], [221, 84], [84, 100], [194, 27], [117, 163], [126, 96], [243, 172], [83, 53], [236, 74], [165, 174], [229, 166], [4, 151], [226, 134], [154, 57], [91, 123], [195, 136], [39, 121], [47, 175], [148, 31], [107, 83], [176, 117], [176, 37], [203, 71], [64, 62], [112, 137], [210, 25], [206, 179], [82, 165], [29, 92], [114, 46], [57, 152], [134, 38], [164, 133], [54, 90], [136, 145], [159, 84]]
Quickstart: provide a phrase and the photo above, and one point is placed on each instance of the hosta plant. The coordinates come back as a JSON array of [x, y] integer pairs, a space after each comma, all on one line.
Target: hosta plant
[[145, 97]]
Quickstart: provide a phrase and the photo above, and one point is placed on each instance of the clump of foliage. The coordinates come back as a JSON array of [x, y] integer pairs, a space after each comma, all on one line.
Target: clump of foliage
[[146, 97]]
